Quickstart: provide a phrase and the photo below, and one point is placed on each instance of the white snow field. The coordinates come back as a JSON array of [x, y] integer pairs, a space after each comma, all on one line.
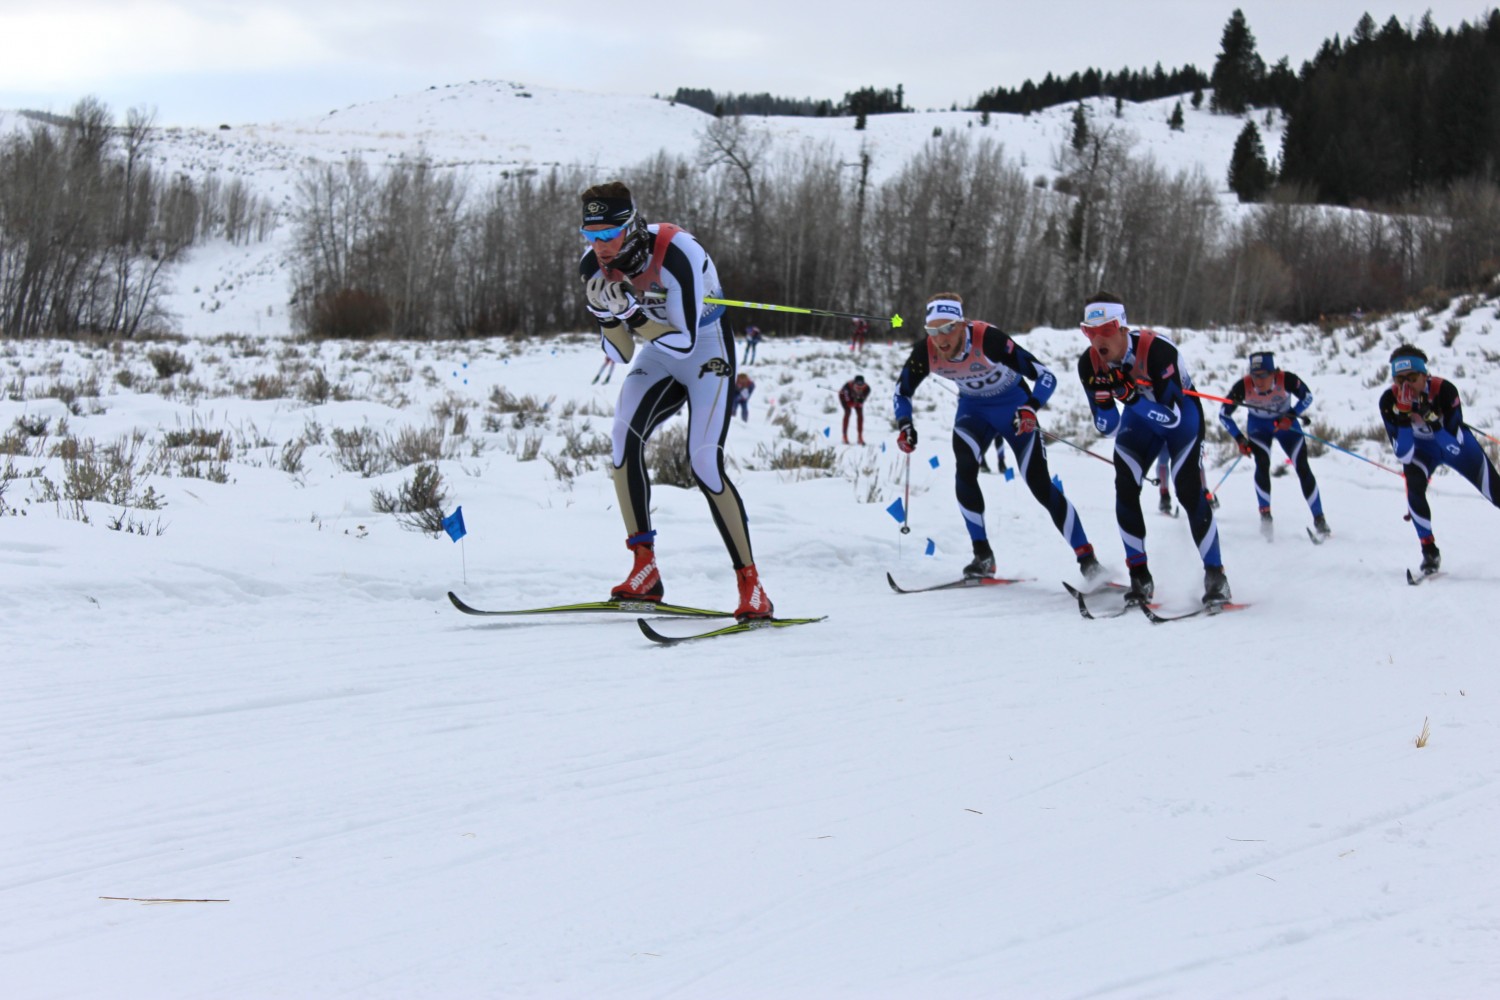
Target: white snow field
[[257, 704]]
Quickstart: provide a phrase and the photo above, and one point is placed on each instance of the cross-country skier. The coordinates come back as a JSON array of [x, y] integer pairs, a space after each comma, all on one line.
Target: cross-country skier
[[1142, 370], [1425, 422], [1276, 401], [648, 282], [744, 388], [991, 371], [852, 396]]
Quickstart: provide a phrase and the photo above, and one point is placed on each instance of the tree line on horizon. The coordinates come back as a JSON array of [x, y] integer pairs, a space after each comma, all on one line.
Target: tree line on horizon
[[88, 232]]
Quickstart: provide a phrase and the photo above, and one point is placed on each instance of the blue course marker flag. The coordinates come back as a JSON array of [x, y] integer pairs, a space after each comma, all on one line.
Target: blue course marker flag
[[453, 524], [931, 548], [828, 432], [1058, 483], [897, 509], [933, 461], [1009, 473]]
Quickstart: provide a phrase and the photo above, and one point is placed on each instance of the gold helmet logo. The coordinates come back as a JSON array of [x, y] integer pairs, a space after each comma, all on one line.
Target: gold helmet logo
[[595, 207]]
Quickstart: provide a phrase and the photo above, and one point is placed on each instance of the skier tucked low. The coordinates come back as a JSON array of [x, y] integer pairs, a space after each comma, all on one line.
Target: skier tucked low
[[1424, 419], [1275, 400], [687, 358], [852, 398], [991, 372], [1142, 370]]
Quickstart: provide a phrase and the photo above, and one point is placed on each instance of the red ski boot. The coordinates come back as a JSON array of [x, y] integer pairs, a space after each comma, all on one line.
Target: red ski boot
[[753, 600], [644, 582]]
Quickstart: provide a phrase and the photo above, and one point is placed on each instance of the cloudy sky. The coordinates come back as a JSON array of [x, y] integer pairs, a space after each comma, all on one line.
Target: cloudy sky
[[202, 62]]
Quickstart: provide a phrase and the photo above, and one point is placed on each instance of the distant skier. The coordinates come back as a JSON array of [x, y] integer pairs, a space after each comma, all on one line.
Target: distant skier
[[744, 388], [1425, 421], [687, 357], [857, 337], [991, 371], [852, 396], [1142, 370], [1276, 401], [607, 369], [752, 343]]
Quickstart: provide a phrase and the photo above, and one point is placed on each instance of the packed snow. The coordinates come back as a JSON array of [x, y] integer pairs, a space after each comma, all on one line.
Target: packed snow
[[252, 750]]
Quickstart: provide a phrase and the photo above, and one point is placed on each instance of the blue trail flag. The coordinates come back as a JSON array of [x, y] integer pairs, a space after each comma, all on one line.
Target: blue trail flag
[[1009, 473], [931, 548], [453, 524], [933, 461], [897, 509], [1056, 481], [828, 432]]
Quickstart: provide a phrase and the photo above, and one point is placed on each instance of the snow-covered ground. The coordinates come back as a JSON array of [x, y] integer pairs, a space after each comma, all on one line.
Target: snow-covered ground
[[266, 700], [257, 698]]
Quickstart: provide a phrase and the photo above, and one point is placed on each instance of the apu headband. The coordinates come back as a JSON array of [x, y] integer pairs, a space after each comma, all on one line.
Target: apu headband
[[1407, 363], [1099, 313], [943, 311]]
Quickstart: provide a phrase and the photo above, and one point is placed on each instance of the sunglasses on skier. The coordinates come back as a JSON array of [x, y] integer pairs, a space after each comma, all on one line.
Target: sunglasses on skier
[[1108, 329], [942, 329], [603, 235]]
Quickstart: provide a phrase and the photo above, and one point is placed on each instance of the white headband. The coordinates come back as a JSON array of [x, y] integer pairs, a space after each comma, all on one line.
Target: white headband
[[944, 311], [1099, 313]]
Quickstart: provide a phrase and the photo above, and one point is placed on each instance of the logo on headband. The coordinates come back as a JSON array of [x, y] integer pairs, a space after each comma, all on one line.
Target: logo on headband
[[1402, 365], [947, 309], [1093, 316], [595, 207]]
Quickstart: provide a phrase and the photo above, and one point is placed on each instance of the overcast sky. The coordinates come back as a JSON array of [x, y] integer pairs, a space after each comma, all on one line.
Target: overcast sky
[[202, 62]]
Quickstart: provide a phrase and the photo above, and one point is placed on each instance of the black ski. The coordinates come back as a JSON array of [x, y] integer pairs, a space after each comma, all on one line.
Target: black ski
[[1215, 608], [590, 607], [1317, 539], [968, 581], [1416, 579], [1082, 597], [749, 625]]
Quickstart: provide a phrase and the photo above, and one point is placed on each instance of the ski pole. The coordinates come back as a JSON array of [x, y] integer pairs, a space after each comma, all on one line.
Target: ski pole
[[906, 502], [1215, 491], [1482, 434], [894, 321], [1304, 433], [1346, 451], [1091, 454]]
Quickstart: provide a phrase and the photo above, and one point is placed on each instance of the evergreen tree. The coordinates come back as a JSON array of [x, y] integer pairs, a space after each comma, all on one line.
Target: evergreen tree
[[1250, 176], [1175, 122], [1080, 129], [1239, 70]]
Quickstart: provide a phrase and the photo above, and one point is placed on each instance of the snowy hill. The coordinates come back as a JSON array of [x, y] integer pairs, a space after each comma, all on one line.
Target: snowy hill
[[483, 128], [254, 699]]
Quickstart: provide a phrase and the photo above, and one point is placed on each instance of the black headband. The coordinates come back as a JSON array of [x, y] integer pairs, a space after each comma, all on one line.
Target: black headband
[[615, 211]]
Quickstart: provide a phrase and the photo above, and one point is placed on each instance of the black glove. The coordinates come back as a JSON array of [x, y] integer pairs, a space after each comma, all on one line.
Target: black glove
[[1102, 387], [907, 439], [1125, 390], [1243, 445], [1428, 411]]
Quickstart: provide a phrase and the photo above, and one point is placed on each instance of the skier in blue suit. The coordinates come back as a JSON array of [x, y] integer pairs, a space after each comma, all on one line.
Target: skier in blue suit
[[1142, 370], [991, 371]]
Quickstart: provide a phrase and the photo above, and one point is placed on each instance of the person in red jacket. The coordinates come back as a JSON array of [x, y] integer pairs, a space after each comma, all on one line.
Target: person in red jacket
[[852, 398]]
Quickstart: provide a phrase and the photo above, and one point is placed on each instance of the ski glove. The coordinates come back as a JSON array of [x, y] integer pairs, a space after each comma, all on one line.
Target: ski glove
[[620, 299], [1428, 411], [1025, 420], [1285, 423], [1125, 390], [1102, 385], [907, 439], [1243, 445], [1405, 396], [593, 292]]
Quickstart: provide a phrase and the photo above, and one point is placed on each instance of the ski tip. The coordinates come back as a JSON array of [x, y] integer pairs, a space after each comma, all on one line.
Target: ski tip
[[894, 586], [459, 604]]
